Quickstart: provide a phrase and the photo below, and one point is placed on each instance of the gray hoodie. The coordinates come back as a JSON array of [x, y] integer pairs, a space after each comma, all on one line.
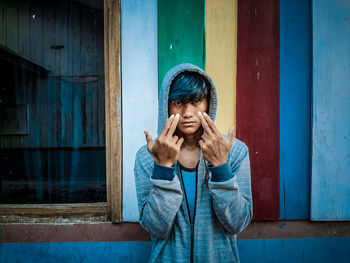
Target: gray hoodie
[[222, 209]]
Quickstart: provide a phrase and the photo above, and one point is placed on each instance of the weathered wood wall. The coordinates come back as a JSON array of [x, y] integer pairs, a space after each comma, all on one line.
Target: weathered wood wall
[[66, 108]]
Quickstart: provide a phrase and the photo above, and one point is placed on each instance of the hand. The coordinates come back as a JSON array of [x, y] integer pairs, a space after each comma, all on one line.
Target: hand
[[214, 147], [166, 149]]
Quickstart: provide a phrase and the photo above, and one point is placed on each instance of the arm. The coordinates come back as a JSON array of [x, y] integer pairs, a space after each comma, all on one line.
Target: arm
[[158, 199], [230, 182], [232, 198], [158, 189]]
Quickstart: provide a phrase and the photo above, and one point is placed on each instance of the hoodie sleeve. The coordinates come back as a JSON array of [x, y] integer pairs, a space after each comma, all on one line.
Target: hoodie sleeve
[[232, 198], [158, 199]]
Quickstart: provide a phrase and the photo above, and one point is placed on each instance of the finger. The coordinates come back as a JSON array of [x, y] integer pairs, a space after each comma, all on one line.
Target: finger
[[167, 126], [149, 140], [179, 142], [204, 123], [204, 138], [201, 144], [175, 139], [211, 124], [173, 125], [230, 135]]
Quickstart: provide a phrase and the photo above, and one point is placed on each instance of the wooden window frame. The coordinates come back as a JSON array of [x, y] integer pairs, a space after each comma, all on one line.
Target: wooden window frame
[[91, 212]]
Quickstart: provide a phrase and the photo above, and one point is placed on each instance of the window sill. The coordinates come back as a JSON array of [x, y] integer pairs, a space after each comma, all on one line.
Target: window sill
[[53, 213]]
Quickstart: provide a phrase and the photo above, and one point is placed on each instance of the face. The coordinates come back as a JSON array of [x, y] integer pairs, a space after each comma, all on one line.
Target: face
[[189, 122]]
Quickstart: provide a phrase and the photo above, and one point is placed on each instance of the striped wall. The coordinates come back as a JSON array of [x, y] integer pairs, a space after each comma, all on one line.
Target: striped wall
[[208, 35], [261, 65]]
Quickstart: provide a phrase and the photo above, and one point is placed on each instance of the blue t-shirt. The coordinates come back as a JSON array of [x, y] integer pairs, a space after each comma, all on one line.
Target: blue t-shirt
[[189, 177]]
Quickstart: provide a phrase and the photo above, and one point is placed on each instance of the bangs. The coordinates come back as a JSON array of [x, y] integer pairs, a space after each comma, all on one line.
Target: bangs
[[189, 87]]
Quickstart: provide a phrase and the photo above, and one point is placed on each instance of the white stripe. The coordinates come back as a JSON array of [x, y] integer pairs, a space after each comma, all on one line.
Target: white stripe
[[139, 88]]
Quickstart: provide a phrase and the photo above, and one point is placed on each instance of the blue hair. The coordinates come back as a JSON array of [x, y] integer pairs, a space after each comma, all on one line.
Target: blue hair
[[189, 87]]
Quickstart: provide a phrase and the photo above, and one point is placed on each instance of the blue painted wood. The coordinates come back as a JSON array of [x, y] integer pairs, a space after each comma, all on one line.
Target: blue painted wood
[[320, 250], [107, 252], [330, 187], [139, 88], [295, 110], [303, 250]]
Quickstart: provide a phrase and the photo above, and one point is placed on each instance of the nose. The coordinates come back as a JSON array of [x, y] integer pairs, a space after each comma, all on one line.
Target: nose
[[187, 111]]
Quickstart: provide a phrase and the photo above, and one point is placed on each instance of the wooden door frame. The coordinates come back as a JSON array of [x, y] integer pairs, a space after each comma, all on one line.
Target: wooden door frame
[[113, 108]]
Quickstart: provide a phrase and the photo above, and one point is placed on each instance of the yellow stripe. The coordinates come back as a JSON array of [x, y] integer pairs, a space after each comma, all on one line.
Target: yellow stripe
[[221, 54]]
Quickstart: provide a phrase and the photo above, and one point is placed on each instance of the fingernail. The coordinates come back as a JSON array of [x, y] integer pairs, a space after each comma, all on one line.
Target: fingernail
[[177, 115], [172, 115], [205, 114], [199, 113]]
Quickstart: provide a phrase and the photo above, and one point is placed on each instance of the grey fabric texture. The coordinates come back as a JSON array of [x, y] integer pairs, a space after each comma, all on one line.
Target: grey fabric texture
[[223, 209]]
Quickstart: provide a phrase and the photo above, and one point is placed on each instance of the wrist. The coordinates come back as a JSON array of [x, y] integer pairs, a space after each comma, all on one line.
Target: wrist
[[217, 163]]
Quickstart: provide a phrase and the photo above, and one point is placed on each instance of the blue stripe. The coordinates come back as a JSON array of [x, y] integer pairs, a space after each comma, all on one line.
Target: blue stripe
[[320, 250], [295, 109]]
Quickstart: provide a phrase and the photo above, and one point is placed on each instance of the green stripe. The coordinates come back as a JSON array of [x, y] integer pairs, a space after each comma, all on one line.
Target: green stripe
[[181, 35]]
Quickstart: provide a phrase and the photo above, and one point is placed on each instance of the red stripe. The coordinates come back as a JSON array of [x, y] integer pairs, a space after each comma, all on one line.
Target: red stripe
[[258, 99]]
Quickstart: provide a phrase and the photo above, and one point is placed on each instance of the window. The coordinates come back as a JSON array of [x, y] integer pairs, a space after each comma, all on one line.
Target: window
[[60, 136]]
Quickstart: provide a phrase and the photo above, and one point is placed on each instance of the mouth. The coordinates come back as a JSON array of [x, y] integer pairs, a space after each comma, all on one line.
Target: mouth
[[188, 123]]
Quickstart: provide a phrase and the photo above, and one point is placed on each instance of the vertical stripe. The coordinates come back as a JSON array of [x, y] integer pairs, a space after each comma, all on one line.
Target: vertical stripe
[[258, 99], [330, 181], [221, 41], [295, 109], [139, 88], [180, 34]]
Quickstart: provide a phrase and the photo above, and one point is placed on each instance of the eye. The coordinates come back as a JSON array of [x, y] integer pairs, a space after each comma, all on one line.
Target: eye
[[177, 103], [195, 102]]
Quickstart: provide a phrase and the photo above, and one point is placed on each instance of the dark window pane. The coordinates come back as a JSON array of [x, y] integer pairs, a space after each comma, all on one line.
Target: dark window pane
[[52, 176], [52, 127]]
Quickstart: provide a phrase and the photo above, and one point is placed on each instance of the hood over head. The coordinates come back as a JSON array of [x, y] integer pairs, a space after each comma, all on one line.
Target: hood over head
[[164, 93]]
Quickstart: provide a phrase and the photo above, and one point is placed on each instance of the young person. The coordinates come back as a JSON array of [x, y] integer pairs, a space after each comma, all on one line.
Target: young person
[[193, 184]]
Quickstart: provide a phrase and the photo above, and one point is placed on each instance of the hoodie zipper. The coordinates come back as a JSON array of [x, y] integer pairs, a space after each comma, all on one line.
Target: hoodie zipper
[[188, 210]]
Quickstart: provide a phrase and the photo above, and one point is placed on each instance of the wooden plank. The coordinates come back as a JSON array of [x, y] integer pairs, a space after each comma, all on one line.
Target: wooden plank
[[140, 106], [36, 29], [67, 117], [258, 99], [11, 16], [106, 232], [49, 55], [24, 27], [74, 38], [221, 52], [113, 106], [180, 34], [44, 210], [3, 22], [61, 37], [101, 82], [295, 110], [90, 62], [41, 118], [91, 114], [106, 15], [330, 184]]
